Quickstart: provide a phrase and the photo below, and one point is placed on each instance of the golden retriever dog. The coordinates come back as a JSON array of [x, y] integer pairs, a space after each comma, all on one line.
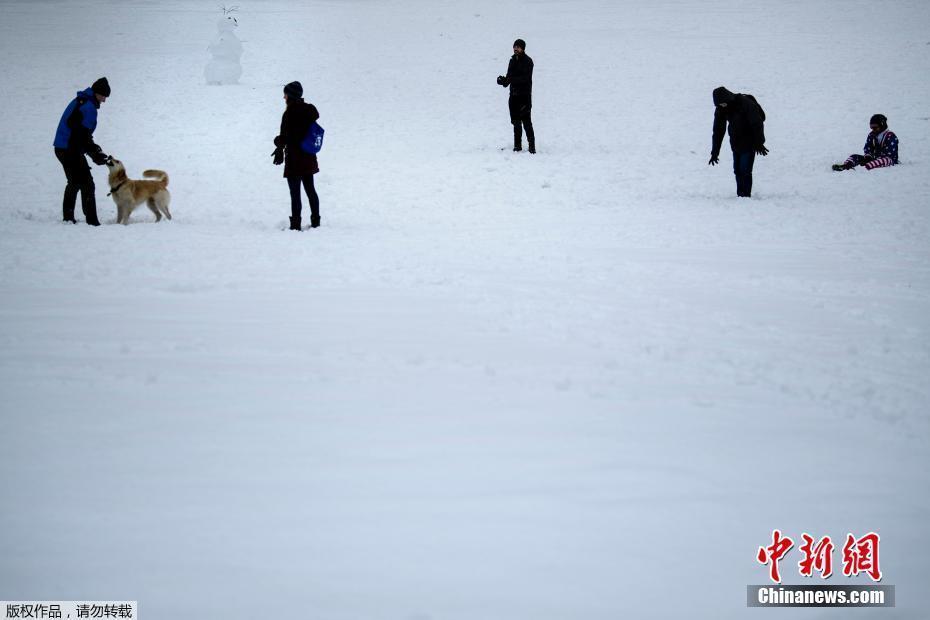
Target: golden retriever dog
[[129, 194]]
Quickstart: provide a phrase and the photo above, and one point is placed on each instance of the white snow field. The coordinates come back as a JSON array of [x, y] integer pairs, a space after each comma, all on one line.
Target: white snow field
[[585, 384]]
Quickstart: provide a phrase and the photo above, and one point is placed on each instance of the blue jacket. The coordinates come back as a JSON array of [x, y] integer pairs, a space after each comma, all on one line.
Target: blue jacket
[[77, 124]]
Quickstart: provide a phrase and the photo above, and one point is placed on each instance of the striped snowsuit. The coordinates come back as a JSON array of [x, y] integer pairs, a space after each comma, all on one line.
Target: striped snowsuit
[[882, 154]]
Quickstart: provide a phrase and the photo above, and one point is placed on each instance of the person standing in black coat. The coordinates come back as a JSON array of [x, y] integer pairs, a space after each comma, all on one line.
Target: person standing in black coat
[[520, 80], [299, 166], [744, 118]]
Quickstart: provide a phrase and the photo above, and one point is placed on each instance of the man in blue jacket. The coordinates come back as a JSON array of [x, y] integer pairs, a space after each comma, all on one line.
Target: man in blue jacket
[[73, 140]]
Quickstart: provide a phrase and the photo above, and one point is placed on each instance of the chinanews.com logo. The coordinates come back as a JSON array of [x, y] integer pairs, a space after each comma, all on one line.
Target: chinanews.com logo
[[860, 556]]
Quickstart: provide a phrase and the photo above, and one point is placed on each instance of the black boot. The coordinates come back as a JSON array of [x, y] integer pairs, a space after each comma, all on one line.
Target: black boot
[[517, 137], [89, 204], [295, 223], [531, 137], [67, 204], [314, 221]]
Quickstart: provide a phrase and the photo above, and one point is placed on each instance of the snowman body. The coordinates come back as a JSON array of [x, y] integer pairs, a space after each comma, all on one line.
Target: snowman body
[[225, 66]]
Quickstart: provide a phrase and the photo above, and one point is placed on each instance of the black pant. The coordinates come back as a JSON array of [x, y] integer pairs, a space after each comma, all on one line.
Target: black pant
[[742, 168], [79, 179], [520, 109], [293, 184]]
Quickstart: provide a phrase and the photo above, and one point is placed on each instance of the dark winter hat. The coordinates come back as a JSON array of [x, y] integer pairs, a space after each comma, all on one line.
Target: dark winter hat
[[520, 43], [722, 95], [880, 120], [294, 90], [101, 87]]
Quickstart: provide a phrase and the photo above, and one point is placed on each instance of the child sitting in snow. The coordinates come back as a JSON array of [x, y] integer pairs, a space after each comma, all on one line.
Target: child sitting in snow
[[880, 150]]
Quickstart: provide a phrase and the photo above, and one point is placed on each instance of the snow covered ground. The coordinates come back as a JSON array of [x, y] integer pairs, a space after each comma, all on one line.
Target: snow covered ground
[[582, 384]]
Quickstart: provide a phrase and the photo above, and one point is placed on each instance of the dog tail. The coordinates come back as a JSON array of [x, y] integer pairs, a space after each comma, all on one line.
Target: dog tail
[[159, 175]]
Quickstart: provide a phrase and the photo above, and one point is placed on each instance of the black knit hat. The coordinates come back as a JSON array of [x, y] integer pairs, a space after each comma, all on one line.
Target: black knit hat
[[880, 120], [294, 90], [101, 87], [520, 43]]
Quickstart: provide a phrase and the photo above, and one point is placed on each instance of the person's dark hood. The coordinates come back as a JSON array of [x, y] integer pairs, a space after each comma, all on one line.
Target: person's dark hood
[[722, 95]]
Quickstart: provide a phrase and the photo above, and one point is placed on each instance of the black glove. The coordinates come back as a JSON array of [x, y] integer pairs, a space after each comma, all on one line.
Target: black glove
[[762, 151], [278, 155], [713, 160], [100, 158], [501, 79], [866, 159]]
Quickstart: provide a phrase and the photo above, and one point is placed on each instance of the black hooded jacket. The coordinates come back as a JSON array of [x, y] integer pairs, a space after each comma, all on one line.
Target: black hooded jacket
[[520, 76], [742, 116], [295, 123]]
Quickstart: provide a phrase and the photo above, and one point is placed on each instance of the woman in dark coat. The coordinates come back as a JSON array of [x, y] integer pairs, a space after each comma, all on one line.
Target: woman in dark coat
[[299, 166]]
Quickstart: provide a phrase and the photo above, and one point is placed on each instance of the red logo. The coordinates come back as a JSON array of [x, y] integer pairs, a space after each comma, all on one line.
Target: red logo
[[860, 555]]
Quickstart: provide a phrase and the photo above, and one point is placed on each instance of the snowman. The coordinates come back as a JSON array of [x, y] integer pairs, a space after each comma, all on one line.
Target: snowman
[[224, 68]]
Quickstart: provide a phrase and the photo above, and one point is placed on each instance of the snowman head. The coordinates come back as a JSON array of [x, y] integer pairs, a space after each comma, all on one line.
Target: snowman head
[[227, 24]]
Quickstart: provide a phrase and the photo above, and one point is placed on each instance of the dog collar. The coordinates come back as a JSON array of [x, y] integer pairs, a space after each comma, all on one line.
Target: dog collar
[[116, 189]]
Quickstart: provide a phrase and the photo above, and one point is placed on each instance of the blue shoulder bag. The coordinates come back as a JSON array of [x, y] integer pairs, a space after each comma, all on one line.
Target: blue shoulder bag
[[313, 141]]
